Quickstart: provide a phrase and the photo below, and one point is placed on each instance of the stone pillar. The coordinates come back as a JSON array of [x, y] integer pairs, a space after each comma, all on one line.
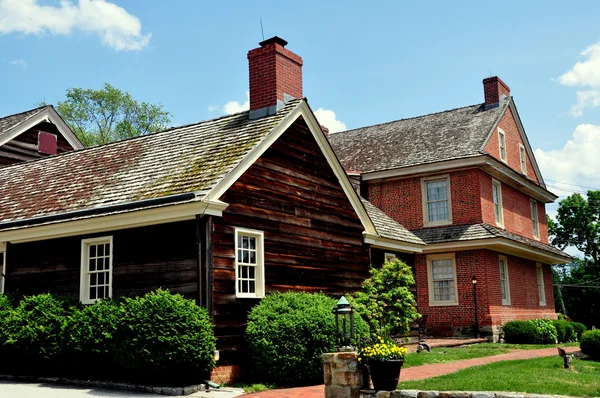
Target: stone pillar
[[342, 375]]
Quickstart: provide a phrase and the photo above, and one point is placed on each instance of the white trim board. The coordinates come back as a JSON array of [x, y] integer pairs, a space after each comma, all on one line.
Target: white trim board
[[48, 114], [501, 245], [111, 222], [379, 242]]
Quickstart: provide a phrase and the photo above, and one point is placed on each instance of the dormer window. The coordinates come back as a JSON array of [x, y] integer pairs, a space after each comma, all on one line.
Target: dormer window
[[502, 144], [522, 159]]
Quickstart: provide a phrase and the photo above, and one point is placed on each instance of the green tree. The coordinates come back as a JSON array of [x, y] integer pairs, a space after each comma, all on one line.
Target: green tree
[[109, 114], [578, 225]]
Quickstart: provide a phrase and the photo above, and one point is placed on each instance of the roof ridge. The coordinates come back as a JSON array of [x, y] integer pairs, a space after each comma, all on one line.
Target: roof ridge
[[140, 137], [30, 110], [410, 118]]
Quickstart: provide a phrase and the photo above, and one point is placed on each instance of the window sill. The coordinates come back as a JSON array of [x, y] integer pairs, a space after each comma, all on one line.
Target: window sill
[[248, 296], [437, 224], [443, 304]]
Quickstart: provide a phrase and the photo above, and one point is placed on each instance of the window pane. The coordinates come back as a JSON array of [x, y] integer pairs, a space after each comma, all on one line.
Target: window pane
[[100, 292], [100, 264], [436, 190], [92, 265], [107, 249], [100, 250], [252, 271], [93, 280], [252, 287], [245, 242], [106, 291], [92, 249], [244, 272], [92, 293], [252, 257], [101, 278], [239, 244], [244, 286], [240, 256], [252, 242], [245, 257]]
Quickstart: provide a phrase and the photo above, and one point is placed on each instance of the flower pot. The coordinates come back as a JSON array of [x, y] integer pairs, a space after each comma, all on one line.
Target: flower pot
[[385, 375]]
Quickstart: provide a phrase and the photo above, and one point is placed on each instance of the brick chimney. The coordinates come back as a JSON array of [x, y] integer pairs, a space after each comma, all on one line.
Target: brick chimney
[[493, 90], [275, 77]]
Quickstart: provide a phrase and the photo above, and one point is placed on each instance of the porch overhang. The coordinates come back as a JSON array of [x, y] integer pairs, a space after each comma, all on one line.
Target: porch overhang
[[379, 242]]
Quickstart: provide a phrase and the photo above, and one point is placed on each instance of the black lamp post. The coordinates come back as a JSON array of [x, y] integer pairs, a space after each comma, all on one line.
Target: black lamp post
[[344, 324], [474, 282]]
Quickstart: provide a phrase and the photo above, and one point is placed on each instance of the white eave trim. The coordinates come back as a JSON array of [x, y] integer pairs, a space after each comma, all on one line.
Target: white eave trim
[[302, 109], [504, 174], [48, 114], [112, 222], [379, 242], [501, 245]]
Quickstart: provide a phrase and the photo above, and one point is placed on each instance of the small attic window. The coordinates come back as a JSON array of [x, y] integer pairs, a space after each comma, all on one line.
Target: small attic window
[[47, 143]]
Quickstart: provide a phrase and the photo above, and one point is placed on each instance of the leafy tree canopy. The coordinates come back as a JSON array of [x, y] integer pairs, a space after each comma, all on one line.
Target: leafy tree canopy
[[109, 114]]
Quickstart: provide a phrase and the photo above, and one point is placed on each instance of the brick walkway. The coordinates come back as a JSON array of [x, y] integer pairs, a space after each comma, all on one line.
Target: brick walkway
[[419, 372]]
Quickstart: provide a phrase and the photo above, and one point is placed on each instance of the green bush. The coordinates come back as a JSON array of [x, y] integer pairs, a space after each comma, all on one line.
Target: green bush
[[386, 301], [590, 343], [564, 331], [164, 336], [5, 306], [33, 330], [533, 331], [288, 332], [579, 328]]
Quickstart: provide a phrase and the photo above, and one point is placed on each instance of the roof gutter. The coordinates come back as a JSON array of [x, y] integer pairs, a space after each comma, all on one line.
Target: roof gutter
[[182, 197]]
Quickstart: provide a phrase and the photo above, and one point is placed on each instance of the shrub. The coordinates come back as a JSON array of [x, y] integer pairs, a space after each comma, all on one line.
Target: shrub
[[590, 343], [5, 305], [535, 331], [32, 331], [579, 328], [564, 331], [386, 300], [163, 336], [288, 332]]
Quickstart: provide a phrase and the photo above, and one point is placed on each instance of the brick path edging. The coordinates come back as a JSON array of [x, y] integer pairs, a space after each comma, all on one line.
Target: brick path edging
[[109, 385], [451, 394]]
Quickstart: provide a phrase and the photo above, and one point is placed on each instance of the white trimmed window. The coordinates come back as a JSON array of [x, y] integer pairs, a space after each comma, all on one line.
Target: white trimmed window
[[540, 283], [497, 199], [504, 285], [441, 272], [96, 269], [389, 257], [534, 219], [502, 144], [249, 263], [437, 206], [2, 266], [522, 158]]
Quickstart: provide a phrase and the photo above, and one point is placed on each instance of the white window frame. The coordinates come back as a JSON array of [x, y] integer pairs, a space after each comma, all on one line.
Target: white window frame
[[2, 266], [502, 144], [430, 259], [424, 182], [540, 282], [535, 221], [84, 285], [523, 159], [499, 217], [389, 257], [260, 262], [506, 289]]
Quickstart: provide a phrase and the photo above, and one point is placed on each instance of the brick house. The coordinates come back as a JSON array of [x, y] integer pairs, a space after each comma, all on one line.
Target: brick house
[[467, 183]]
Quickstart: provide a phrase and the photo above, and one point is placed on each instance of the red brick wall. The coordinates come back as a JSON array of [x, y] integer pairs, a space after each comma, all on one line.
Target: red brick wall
[[402, 199], [513, 139], [517, 211], [484, 265]]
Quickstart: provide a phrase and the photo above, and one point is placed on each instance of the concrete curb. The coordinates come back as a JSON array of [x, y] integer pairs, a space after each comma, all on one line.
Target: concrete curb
[[109, 385], [452, 394]]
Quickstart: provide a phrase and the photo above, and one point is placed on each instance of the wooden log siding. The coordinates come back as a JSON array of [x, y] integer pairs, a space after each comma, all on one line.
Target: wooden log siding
[[312, 237], [25, 146], [144, 259]]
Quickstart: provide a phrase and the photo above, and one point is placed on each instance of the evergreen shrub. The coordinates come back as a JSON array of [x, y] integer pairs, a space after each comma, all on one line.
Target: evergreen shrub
[[590, 343]]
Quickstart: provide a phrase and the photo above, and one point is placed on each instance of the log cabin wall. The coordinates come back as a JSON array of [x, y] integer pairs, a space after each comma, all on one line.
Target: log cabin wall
[[24, 147], [312, 236], [144, 259]]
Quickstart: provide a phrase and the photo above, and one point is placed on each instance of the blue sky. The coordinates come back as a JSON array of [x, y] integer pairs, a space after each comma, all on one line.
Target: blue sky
[[368, 62]]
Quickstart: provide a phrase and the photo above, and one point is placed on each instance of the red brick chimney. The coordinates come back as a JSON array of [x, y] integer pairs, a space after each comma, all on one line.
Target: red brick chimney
[[493, 89], [275, 77]]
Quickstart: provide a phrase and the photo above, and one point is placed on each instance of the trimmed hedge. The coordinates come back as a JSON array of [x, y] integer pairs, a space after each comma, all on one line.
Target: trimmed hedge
[[565, 332], [159, 338], [533, 331], [590, 343], [288, 332], [579, 328]]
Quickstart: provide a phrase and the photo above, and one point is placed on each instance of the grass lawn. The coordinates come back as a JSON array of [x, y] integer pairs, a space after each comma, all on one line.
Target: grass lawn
[[540, 375], [449, 354]]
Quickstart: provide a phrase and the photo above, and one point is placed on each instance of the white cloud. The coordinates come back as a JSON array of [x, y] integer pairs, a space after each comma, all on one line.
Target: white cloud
[[585, 99], [587, 72], [116, 27], [213, 108], [19, 62], [576, 164], [328, 119], [234, 107]]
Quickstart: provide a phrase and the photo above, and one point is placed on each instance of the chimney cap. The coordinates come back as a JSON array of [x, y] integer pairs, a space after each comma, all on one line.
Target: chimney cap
[[275, 40]]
